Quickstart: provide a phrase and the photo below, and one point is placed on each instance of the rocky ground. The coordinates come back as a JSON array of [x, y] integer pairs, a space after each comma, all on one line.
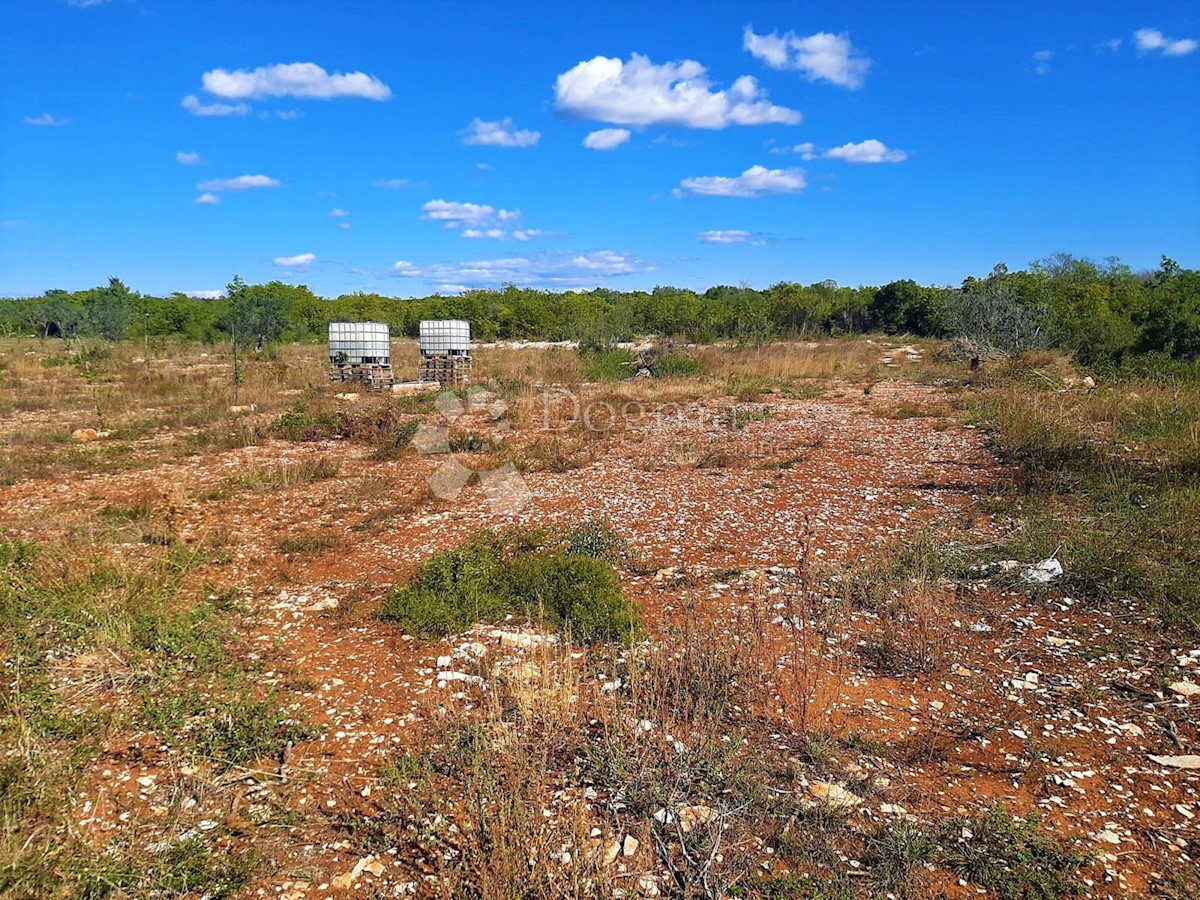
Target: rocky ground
[[1022, 696]]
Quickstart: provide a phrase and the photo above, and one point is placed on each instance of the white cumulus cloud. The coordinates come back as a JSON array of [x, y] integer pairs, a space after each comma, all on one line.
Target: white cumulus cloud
[[639, 92], [498, 134], [45, 120], [754, 182], [188, 159], [240, 183], [193, 105], [456, 215], [606, 139], [205, 295], [1148, 40], [821, 56], [305, 80], [732, 236], [868, 151], [208, 199], [299, 261]]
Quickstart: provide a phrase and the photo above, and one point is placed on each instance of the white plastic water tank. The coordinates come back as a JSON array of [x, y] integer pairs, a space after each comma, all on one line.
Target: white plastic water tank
[[445, 337], [359, 343]]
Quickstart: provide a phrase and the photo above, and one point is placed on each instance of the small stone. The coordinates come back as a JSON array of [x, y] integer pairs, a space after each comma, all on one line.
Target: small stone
[[691, 816], [1190, 761], [629, 846], [834, 794], [1186, 688]]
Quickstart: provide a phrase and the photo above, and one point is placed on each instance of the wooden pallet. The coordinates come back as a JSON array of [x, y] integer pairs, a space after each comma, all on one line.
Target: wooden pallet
[[371, 377], [448, 371]]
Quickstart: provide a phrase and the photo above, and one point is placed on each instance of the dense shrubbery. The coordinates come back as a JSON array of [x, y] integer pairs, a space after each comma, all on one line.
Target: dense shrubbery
[[1102, 312]]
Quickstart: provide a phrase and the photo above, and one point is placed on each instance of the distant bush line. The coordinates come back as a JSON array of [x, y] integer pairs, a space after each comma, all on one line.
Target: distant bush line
[[1102, 312]]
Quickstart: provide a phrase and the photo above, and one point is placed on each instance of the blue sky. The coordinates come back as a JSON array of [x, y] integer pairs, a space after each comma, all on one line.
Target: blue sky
[[408, 148]]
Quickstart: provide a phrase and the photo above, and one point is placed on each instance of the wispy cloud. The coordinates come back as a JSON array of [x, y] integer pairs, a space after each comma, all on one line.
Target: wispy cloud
[[561, 269], [240, 183], [188, 159], [503, 133], [208, 199], [806, 151], [193, 105], [45, 120], [339, 213], [868, 151], [754, 182], [393, 184], [606, 139], [639, 92], [733, 236], [1148, 40], [1041, 61], [305, 80], [299, 261], [821, 56]]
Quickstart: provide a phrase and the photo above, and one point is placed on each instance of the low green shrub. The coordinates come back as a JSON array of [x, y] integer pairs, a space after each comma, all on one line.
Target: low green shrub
[[677, 365], [607, 364], [495, 575]]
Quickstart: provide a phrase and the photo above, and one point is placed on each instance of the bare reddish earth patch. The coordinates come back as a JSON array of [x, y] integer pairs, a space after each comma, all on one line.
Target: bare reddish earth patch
[[829, 475]]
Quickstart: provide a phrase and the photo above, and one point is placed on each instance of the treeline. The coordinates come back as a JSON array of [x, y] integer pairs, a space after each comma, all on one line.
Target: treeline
[[1100, 311]]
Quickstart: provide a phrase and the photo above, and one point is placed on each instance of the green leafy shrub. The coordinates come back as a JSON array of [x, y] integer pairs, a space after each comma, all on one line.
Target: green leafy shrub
[[677, 365], [300, 423], [515, 573], [607, 364], [597, 540]]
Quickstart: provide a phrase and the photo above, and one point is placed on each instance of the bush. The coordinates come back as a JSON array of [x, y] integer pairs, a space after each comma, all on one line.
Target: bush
[[607, 365], [577, 595], [677, 365], [303, 424], [597, 540], [499, 574]]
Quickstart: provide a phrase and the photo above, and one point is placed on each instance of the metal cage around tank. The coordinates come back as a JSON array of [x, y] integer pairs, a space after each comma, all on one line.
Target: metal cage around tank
[[445, 351], [361, 352]]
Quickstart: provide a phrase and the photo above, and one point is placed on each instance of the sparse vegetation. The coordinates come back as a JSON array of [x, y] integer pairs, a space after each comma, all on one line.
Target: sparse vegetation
[[116, 637], [1014, 857], [95, 647]]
